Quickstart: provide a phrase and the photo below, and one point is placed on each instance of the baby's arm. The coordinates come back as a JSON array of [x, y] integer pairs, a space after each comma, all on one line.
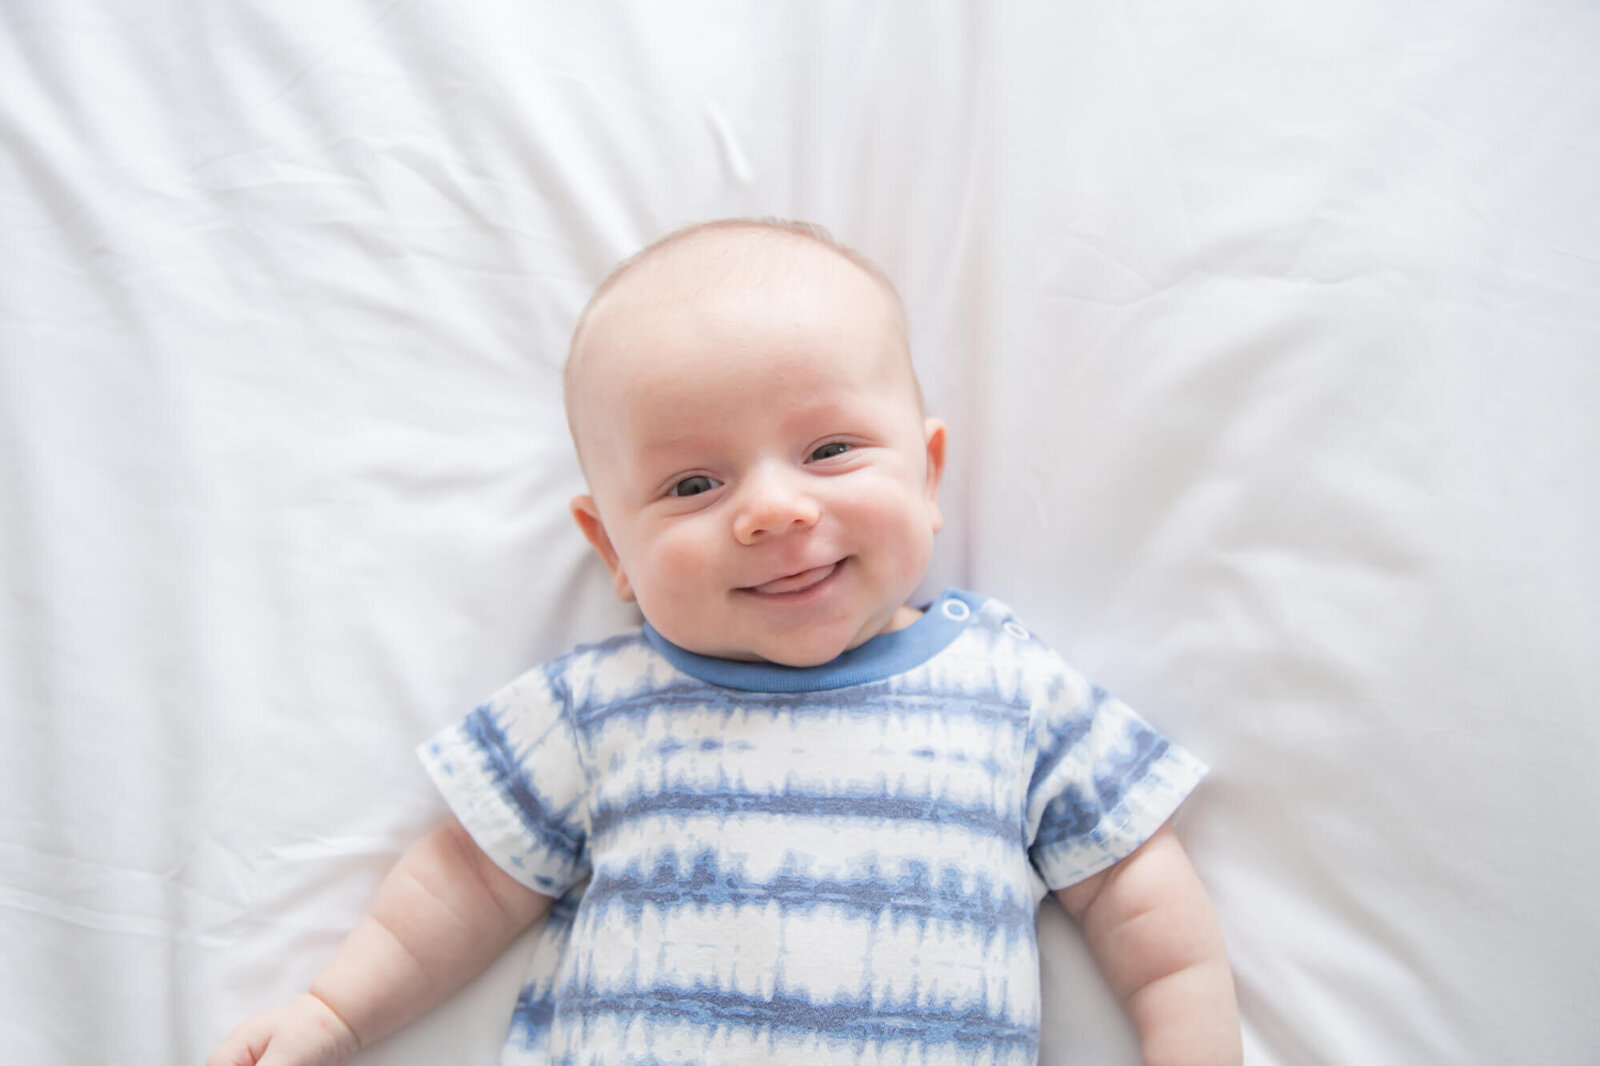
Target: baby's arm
[[441, 916], [1158, 943]]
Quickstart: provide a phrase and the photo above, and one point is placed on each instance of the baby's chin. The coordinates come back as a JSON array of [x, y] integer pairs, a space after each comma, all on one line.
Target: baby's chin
[[801, 660], [817, 650], [787, 656]]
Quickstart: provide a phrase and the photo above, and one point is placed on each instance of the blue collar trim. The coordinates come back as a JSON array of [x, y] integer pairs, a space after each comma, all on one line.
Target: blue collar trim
[[885, 655]]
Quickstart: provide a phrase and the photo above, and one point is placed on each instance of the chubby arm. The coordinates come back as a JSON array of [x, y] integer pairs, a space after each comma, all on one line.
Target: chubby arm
[[440, 917], [1156, 939]]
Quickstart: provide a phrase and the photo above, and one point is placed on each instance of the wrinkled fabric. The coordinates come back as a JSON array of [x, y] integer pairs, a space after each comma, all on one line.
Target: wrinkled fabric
[[1266, 338]]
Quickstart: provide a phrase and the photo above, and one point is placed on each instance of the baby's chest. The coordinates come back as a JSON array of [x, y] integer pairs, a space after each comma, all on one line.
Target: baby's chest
[[829, 847], [901, 796]]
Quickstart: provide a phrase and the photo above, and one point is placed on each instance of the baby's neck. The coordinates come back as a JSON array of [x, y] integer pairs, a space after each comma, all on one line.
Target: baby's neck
[[902, 618]]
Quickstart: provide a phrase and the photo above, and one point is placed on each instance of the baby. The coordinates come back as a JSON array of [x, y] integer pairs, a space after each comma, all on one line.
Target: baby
[[794, 818]]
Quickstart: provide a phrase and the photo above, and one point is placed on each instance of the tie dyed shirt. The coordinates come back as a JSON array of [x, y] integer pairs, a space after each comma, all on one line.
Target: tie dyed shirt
[[839, 864]]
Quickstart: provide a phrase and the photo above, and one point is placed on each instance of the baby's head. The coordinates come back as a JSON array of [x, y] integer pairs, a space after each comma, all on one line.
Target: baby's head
[[764, 482]]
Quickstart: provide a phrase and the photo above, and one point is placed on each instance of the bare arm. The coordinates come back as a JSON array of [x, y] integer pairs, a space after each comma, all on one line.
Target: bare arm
[[1156, 939], [441, 916]]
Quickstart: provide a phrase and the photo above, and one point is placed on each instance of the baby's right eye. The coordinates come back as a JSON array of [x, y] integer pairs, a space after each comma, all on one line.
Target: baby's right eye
[[693, 486]]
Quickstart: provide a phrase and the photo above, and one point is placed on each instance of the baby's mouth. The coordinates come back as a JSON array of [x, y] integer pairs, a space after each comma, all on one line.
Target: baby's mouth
[[797, 582]]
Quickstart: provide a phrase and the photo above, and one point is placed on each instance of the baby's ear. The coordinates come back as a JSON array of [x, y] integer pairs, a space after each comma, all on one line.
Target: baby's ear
[[587, 515], [934, 434]]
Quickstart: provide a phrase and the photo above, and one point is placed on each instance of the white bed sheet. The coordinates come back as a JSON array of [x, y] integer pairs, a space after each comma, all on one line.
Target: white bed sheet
[[1267, 336]]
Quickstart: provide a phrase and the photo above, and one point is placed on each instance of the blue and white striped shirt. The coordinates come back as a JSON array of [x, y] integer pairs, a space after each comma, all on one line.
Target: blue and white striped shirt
[[838, 864]]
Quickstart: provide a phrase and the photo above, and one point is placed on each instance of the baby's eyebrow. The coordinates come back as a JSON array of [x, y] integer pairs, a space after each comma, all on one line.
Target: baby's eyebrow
[[657, 449], [825, 411], [673, 457]]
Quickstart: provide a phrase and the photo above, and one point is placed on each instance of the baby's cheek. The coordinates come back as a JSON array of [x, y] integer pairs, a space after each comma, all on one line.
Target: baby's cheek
[[890, 507], [683, 554]]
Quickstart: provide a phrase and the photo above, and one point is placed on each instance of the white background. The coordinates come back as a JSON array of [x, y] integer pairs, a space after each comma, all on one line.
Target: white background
[[1267, 337]]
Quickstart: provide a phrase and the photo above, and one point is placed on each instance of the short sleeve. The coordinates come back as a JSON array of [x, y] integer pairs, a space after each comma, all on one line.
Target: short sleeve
[[512, 772], [1103, 782]]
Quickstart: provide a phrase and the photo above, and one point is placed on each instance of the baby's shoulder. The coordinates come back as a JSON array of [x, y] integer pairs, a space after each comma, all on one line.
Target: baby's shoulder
[[998, 645], [618, 662], [625, 662]]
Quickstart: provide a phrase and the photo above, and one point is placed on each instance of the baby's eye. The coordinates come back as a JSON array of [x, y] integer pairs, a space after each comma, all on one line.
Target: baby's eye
[[829, 450], [693, 486]]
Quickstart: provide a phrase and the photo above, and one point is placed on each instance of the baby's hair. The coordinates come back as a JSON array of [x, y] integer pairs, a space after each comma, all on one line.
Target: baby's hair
[[776, 227], [779, 227]]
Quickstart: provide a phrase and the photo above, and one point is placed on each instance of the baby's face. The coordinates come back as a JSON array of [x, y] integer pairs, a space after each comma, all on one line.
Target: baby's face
[[764, 482]]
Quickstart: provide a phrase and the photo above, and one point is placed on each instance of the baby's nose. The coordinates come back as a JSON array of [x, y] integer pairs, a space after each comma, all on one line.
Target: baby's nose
[[771, 505]]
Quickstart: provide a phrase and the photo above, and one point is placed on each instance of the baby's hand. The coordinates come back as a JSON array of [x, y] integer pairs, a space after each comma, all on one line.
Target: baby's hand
[[303, 1032]]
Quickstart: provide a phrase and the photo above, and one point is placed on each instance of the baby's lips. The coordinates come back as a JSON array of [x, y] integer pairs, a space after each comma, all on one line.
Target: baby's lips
[[795, 582]]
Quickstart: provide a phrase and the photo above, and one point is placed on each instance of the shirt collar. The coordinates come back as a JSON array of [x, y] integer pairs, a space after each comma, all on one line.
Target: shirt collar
[[885, 655]]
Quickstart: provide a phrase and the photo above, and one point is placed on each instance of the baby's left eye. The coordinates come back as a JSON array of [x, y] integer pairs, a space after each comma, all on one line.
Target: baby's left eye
[[829, 450]]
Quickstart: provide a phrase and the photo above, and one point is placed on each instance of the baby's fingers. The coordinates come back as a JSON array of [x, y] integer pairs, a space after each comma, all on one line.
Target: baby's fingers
[[302, 1032], [243, 1047]]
